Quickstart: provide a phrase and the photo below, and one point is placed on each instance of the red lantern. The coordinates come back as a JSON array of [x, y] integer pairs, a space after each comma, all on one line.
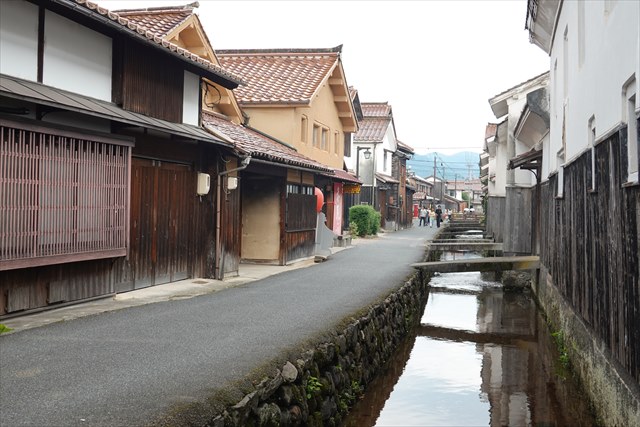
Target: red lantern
[[319, 199]]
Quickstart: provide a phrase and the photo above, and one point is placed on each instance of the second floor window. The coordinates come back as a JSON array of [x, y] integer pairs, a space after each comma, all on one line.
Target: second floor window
[[316, 136], [304, 125]]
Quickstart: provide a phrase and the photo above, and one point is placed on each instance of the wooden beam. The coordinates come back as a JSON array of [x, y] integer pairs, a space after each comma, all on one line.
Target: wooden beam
[[336, 81], [481, 264]]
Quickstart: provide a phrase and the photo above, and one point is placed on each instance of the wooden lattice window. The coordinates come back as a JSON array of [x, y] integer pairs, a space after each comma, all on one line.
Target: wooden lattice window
[[64, 196]]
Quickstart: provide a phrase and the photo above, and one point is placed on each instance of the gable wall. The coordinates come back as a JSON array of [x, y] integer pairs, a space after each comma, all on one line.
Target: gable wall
[[284, 123], [611, 51]]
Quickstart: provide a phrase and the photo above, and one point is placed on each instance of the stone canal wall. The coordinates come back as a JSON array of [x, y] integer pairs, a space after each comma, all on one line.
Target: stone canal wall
[[318, 387], [614, 393], [589, 277]]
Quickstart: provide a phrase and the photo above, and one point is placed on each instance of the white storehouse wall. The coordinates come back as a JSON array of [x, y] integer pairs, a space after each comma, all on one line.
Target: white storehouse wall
[[76, 58], [590, 72], [19, 39]]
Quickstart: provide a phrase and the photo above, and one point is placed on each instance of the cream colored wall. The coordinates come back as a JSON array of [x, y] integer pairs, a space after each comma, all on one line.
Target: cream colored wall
[[284, 123], [274, 121], [261, 222]]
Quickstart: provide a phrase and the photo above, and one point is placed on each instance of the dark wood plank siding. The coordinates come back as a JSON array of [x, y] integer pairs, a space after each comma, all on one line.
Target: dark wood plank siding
[[162, 244], [301, 213], [149, 83], [517, 221], [31, 288], [300, 225], [495, 217], [231, 236], [589, 244], [299, 244]]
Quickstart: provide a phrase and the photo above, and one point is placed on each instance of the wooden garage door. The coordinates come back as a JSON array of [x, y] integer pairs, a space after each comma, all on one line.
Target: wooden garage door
[[162, 197]]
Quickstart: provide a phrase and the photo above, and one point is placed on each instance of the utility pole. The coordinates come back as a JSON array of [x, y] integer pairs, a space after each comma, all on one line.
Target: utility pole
[[434, 175], [442, 184], [455, 184]]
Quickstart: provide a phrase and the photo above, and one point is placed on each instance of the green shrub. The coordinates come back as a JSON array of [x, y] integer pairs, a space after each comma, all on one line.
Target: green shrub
[[366, 219]]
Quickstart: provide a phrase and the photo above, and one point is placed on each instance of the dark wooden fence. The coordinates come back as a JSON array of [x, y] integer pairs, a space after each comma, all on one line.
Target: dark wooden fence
[[300, 226], [589, 243], [495, 217], [517, 224]]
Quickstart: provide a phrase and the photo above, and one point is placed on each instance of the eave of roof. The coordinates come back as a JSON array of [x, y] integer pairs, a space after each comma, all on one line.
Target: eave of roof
[[541, 21], [40, 94], [341, 175], [260, 146], [530, 160], [386, 178], [498, 103]]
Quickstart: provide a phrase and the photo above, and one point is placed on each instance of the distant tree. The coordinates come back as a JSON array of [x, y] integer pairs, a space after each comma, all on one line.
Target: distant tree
[[465, 196]]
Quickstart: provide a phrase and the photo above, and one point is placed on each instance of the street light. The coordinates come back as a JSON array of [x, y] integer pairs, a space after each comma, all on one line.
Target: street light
[[367, 155]]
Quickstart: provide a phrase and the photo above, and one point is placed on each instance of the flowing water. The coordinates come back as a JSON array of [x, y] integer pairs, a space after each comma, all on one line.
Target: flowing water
[[480, 357]]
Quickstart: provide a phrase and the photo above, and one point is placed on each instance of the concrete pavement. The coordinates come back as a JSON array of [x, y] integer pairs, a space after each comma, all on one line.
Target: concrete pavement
[[131, 365]]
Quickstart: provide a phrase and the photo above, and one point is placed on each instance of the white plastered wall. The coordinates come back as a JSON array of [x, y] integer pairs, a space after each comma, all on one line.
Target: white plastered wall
[[191, 99], [76, 58], [595, 79], [19, 39]]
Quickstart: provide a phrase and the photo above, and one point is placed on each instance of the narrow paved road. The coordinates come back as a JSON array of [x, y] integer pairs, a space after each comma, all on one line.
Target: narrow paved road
[[129, 366]]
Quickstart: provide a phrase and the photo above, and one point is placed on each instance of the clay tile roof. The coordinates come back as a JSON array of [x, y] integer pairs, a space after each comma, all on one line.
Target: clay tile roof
[[279, 75], [260, 146], [376, 109], [153, 38], [157, 20], [372, 129], [404, 147]]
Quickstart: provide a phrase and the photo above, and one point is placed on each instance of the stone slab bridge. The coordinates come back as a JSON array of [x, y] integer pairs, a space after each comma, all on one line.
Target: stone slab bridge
[[481, 264]]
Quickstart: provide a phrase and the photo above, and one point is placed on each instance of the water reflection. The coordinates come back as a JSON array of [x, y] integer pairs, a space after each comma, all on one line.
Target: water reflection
[[480, 357]]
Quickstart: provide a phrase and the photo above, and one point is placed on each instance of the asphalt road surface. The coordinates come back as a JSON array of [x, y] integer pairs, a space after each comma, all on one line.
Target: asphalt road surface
[[130, 366]]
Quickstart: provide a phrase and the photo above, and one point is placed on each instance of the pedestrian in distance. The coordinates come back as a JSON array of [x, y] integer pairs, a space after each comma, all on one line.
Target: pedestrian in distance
[[438, 215], [432, 217], [428, 218], [423, 217]]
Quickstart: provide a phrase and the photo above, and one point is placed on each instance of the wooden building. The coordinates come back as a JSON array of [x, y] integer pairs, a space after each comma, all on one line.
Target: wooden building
[[103, 165], [301, 97], [270, 216], [586, 218]]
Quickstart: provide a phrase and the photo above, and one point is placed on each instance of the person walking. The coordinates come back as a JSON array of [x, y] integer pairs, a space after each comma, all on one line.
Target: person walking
[[438, 215], [423, 217]]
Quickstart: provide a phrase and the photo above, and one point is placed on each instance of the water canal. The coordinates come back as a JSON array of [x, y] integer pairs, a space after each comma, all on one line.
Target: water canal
[[481, 356]]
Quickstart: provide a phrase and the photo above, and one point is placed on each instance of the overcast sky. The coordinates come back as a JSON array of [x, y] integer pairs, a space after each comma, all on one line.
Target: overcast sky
[[436, 62]]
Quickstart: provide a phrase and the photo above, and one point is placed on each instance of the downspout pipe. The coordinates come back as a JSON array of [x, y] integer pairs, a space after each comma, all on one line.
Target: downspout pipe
[[218, 273]]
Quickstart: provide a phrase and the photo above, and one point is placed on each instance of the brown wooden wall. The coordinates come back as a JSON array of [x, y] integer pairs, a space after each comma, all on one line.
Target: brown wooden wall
[[37, 287], [300, 226], [495, 217], [231, 233], [589, 243], [517, 221], [163, 198], [145, 82]]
